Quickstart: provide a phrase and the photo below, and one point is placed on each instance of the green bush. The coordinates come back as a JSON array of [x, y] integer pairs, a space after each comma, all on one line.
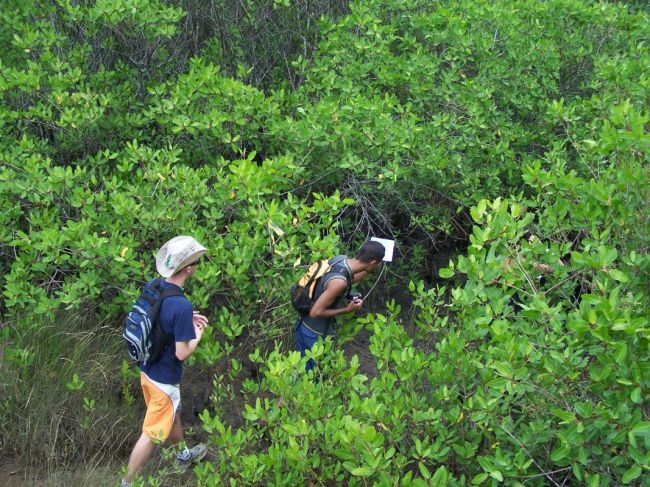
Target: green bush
[[517, 380]]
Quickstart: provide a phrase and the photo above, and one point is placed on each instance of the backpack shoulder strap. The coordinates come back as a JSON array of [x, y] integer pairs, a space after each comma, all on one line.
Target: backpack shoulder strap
[[157, 285], [311, 279], [164, 293], [338, 268], [334, 265], [171, 291]]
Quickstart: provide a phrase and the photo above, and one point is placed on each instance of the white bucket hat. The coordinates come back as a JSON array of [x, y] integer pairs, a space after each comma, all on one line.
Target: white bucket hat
[[177, 253]]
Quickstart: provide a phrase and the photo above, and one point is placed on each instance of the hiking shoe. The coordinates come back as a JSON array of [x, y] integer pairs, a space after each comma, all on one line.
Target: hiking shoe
[[189, 456]]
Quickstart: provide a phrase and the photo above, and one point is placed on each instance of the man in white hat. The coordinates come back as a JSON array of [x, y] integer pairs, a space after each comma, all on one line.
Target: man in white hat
[[176, 261]]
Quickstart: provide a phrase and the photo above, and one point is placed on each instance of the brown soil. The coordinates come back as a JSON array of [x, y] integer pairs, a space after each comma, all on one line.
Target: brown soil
[[13, 475]]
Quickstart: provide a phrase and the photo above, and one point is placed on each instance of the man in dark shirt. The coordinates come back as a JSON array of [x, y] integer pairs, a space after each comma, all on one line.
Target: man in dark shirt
[[330, 296], [176, 261]]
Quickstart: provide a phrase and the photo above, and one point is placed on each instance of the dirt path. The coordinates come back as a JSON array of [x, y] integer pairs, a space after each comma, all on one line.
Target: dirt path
[[11, 475], [14, 475]]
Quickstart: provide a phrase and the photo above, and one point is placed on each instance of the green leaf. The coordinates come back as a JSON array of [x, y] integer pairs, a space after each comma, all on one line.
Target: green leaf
[[362, 471], [496, 474], [440, 477], [480, 478], [446, 273], [291, 429], [621, 352], [594, 480], [566, 416], [591, 298], [369, 434], [642, 429], [584, 409], [499, 327], [618, 275], [577, 471], [634, 472], [424, 470], [503, 368], [560, 453], [478, 211]]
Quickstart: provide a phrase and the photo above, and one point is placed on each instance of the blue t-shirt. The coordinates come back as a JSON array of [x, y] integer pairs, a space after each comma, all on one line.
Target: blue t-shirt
[[175, 319]]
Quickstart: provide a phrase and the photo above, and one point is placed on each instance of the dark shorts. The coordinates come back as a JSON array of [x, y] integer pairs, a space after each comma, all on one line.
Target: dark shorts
[[305, 339]]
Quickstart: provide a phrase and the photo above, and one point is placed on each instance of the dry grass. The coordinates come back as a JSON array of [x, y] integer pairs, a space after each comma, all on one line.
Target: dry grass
[[48, 435], [87, 475], [49, 425]]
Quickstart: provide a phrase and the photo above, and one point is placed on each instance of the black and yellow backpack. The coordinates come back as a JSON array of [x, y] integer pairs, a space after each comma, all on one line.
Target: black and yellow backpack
[[302, 293]]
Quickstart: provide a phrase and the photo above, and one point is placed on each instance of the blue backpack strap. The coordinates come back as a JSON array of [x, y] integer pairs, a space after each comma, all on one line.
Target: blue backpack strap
[[156, 285]]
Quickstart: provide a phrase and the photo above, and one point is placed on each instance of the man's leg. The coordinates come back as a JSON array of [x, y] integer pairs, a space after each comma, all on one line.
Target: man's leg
[[176, 435], [140, 455], [161, 401], [304, 341], [189, 455], [297, 336]]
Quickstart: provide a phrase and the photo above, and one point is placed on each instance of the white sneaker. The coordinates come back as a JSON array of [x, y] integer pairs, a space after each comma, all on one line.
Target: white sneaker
[[192, 455]]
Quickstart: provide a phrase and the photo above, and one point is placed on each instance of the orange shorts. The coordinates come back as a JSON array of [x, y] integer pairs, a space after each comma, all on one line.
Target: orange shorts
[[163, 401]]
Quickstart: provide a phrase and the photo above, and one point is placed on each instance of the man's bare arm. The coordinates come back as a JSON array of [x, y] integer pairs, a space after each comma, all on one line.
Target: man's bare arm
[[333, 290], [185, 349]]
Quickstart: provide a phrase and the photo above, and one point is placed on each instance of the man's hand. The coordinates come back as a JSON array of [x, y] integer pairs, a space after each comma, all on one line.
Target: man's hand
[[200, 323], [185, 349], [333, 290], [355, 305]]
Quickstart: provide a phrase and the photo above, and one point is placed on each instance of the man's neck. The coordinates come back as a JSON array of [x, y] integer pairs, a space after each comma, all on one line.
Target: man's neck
[[357, 266], [177, 279]]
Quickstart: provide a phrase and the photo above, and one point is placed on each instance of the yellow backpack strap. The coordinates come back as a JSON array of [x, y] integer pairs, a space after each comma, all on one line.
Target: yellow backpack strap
[[315, 272], [310, 278], [323, 268]]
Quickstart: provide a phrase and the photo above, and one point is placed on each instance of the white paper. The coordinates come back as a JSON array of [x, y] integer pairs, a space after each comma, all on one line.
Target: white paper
[[389, 245]]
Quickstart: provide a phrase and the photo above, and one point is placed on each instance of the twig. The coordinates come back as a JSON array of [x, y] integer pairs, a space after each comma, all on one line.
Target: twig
[[530, 477], [521, 268], [570, 276], [545, 474]]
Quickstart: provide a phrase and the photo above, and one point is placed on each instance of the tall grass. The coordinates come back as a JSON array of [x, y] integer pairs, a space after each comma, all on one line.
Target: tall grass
[[50, 419]]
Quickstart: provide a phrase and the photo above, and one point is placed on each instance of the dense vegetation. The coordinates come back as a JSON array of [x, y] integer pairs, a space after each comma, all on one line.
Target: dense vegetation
[[514, 134]]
